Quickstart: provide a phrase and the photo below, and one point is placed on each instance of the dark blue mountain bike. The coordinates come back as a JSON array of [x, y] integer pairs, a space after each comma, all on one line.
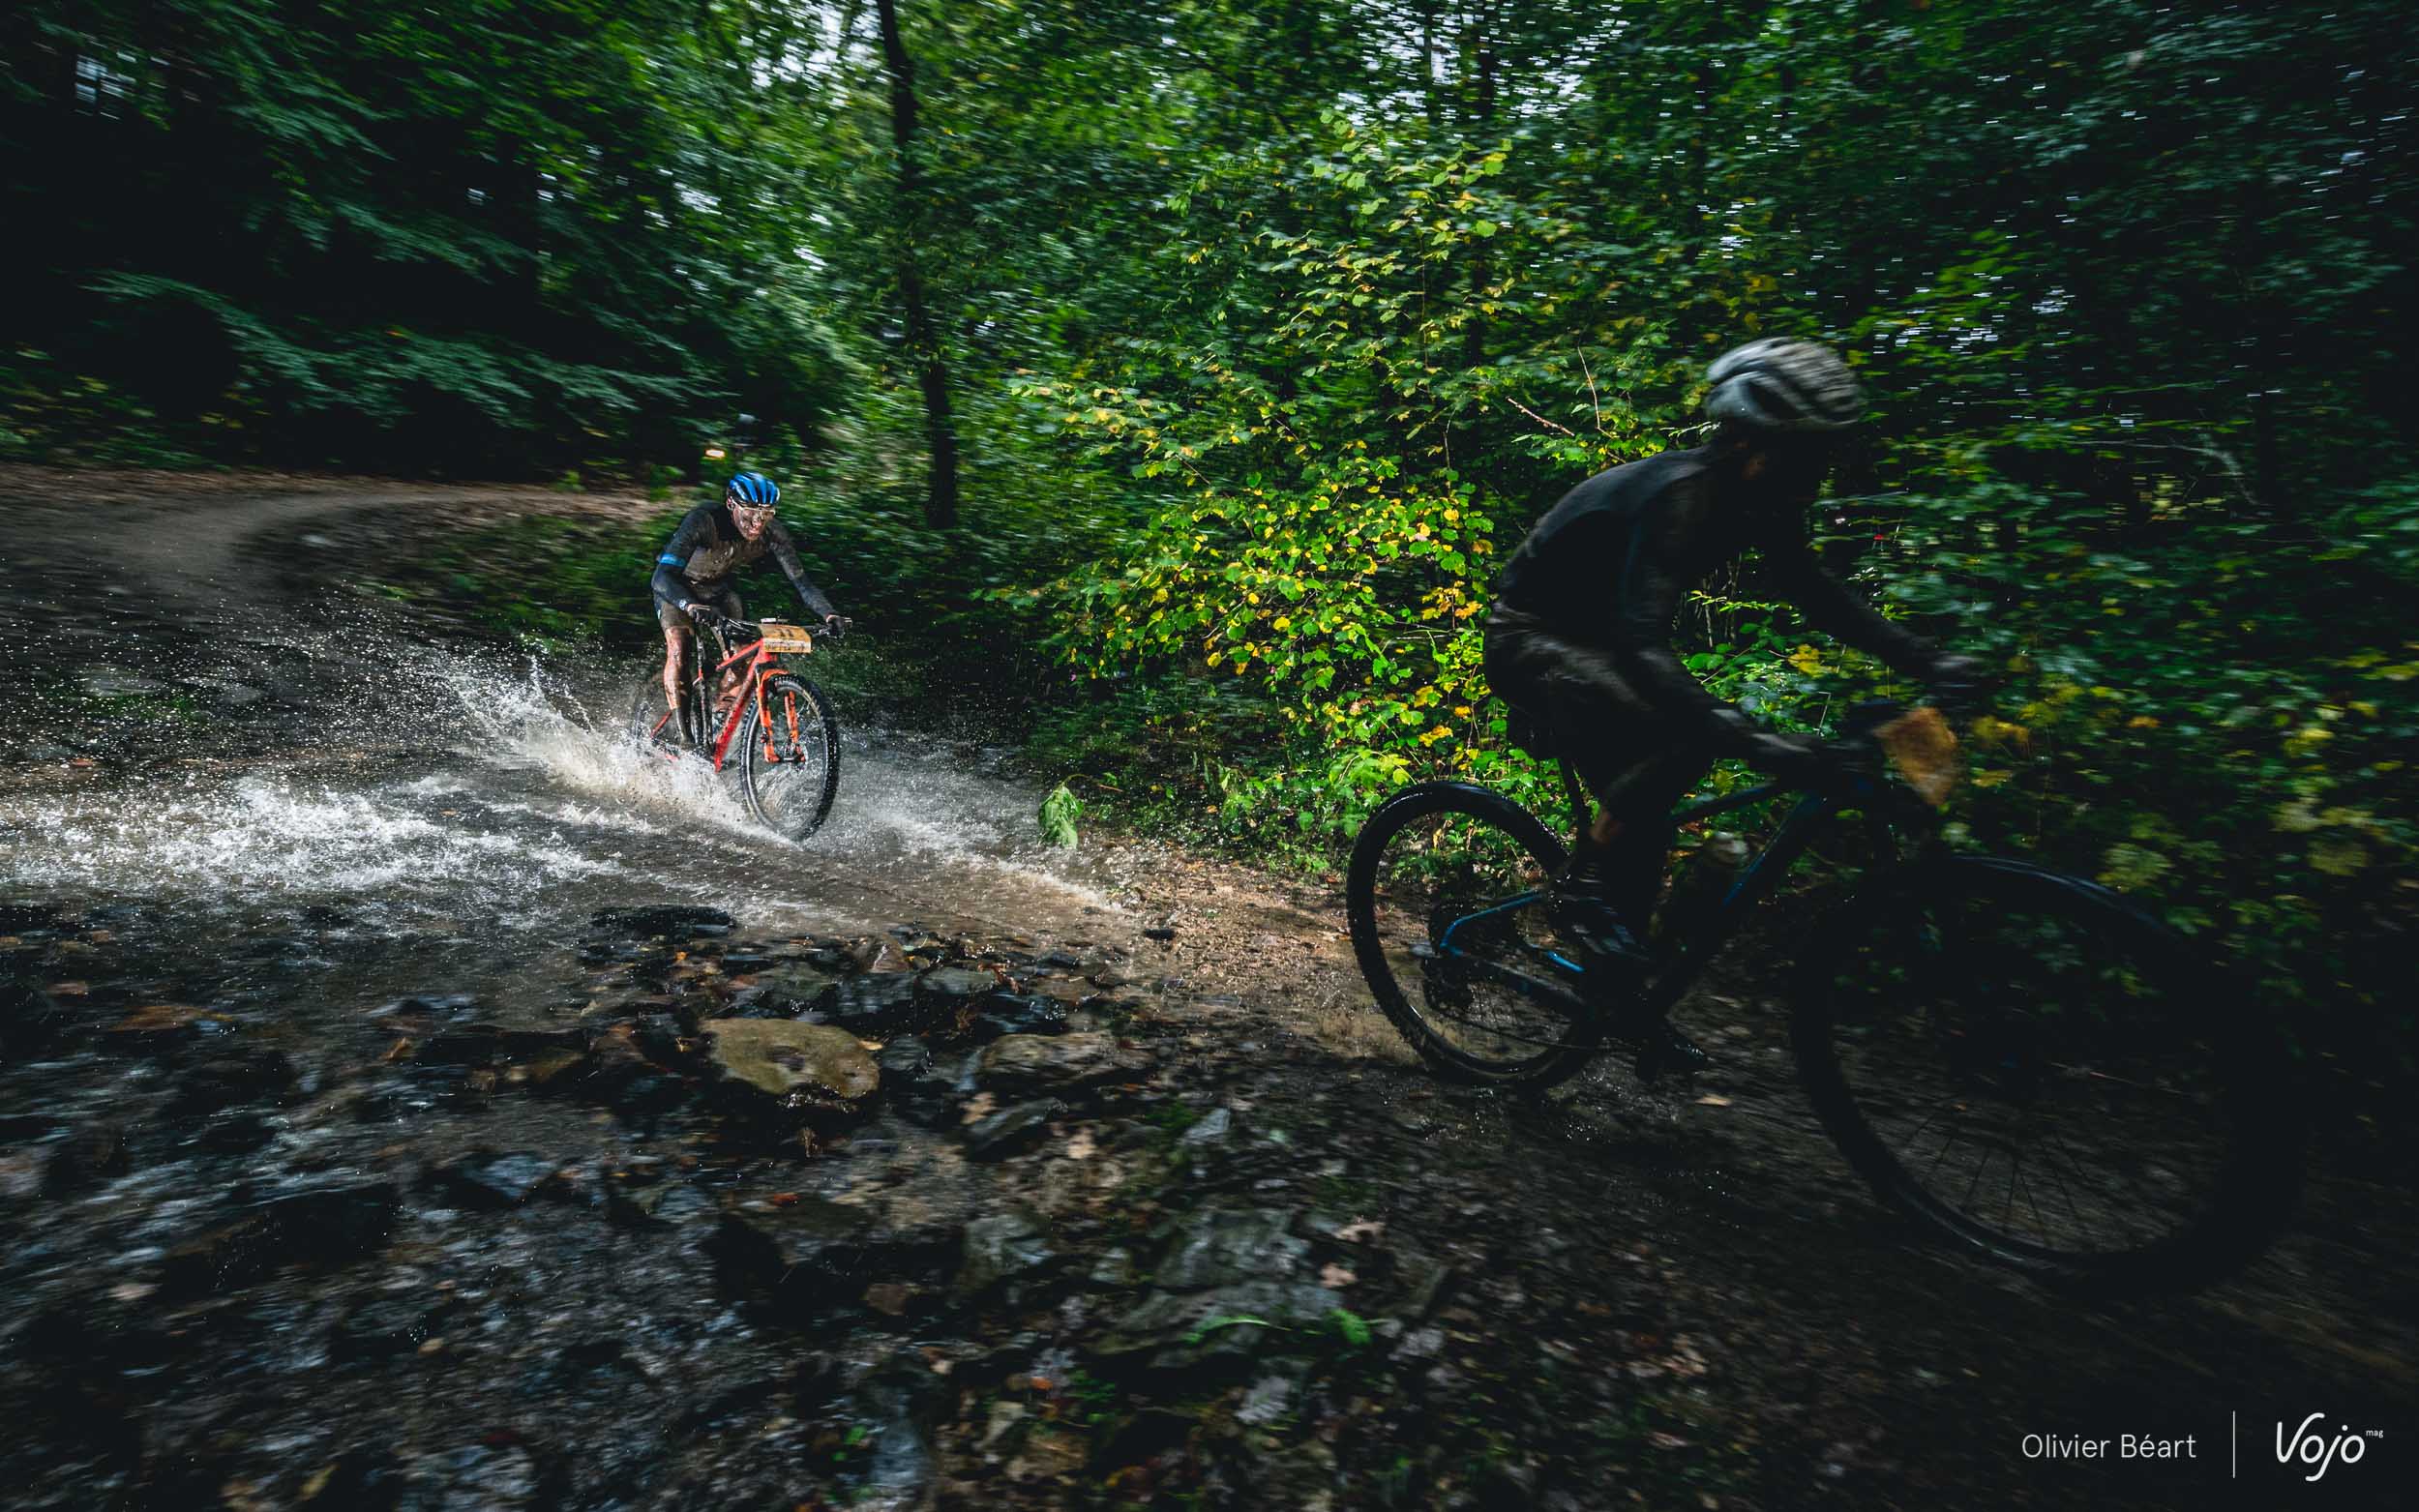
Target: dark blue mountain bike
[[2020, 1058]]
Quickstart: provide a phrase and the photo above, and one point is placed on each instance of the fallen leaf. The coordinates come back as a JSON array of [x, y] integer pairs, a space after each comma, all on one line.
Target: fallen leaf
[[977, 1108], [1335, 1278], [1081, 1148], [1712, 1100], [1360, 1230], [69, 989]]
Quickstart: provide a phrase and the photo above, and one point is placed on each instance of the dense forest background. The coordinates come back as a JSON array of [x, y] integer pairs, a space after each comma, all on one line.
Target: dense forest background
[[1183, 368]]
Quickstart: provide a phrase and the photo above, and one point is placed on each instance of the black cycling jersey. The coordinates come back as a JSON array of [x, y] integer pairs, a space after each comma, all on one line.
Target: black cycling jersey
[[707, 548], [1608, 566]]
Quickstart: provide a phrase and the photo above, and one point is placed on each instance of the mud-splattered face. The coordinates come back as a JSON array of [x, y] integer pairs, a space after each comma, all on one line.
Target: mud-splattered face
[[751, 522]]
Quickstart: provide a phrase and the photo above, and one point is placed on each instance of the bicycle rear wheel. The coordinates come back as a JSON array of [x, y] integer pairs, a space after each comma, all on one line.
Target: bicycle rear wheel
[[792, 756], [1446, 898], [2033, 1065]]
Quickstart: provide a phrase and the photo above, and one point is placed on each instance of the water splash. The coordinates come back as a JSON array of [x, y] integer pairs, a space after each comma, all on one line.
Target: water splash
[[506, 789]]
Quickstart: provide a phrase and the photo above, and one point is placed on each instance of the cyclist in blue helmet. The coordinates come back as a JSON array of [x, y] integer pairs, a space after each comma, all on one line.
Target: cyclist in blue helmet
[[693, 584]]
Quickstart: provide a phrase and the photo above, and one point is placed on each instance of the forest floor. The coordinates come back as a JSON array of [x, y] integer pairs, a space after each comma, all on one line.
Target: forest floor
[[366, 1138]]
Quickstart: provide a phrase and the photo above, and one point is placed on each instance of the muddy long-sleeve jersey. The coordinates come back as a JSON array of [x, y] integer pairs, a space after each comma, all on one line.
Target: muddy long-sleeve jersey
[[1610, 565], [708, 549]]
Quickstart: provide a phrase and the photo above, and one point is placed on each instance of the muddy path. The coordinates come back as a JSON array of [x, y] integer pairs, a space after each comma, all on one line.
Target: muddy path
[[364, 1141]]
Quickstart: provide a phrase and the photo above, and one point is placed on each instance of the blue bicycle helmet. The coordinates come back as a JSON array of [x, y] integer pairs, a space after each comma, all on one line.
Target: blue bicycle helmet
[[751, 490]]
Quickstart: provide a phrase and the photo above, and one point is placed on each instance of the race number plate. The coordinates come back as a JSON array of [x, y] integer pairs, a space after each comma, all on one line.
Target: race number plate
[[779, 637]]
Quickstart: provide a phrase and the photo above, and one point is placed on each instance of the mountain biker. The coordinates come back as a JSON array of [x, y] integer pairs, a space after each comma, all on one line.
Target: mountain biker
[[693, 574], [1580, 641]]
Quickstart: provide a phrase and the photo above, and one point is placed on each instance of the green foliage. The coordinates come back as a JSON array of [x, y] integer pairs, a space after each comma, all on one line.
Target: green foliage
[[1272, 328], [1059, 810]]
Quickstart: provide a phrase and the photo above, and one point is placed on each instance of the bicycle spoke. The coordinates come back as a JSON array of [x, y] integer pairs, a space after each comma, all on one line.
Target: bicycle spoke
[[2017, 1040]]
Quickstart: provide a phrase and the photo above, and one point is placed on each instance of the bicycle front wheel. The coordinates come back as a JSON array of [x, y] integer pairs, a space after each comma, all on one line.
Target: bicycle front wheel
[[1446, 898], [792, 761], [2031, 1064]]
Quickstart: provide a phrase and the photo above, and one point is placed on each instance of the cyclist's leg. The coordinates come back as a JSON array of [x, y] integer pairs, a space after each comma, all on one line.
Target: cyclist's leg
[[1631, 841], [1596, 721], [726, 600], [678, 637]]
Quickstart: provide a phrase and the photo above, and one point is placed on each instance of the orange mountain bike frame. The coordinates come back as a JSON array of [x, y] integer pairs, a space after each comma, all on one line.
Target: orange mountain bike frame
[[761, 665]]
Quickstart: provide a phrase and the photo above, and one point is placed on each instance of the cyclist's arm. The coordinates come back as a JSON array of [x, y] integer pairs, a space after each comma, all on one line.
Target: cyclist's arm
[[669, 587], [1834, 609], [786, 552], [1648, 589]]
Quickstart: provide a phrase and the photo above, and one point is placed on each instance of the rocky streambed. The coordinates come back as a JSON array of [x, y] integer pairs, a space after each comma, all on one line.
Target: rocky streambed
[[713, 1217], [891, 1220]]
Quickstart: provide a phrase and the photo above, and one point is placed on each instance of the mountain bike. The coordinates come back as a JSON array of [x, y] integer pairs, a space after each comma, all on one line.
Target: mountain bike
[[2023, 1058], [753, 719]]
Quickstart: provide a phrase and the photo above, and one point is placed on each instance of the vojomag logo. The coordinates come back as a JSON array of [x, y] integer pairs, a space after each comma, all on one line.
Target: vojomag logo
[[2312, 1446]]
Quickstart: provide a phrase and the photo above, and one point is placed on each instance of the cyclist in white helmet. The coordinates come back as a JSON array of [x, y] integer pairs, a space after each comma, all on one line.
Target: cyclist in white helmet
[[1579, 643]]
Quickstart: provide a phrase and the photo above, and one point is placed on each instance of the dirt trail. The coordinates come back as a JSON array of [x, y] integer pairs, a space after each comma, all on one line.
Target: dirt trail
[[391, 963]]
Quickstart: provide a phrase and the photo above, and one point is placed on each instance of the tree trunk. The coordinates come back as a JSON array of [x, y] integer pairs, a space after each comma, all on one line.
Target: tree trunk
[[1427, 63], [1482, 124], [940, 505]]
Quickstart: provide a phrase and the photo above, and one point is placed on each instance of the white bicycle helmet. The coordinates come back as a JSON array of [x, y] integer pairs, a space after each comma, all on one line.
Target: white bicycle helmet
[[1778, 384]]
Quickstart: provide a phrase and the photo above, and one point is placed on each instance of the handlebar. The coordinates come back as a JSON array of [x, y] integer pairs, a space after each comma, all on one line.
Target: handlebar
[[834, 629]]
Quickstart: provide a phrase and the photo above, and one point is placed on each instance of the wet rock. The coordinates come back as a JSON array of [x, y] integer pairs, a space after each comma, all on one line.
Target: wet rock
[[1211, 1331], [84, 1160], [490, 1045], [115, 682], [1007, 1013], [489, 1182], [918, 1085], [337, 1215], [30, 1020], [371, 1479], [227, 691], [227, 1079], [161, 1026], [900, 1402], [494, 1476], [1022, 1064], [1114, 1268], [551, 1070], [1003, 1252], [810, 1068], [27, 918], [331, 1219], [1214, 1129], [1011, 1131], [238, 1133], [1145, 1436], [22, 1173], [953, 986], [667, 922], [666, 1206], [789, 991], [620, 1074], [814, 1257], [1219, 1247], [877, 1004], [1272, 1396], [383, 1326], [662, 1038]]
